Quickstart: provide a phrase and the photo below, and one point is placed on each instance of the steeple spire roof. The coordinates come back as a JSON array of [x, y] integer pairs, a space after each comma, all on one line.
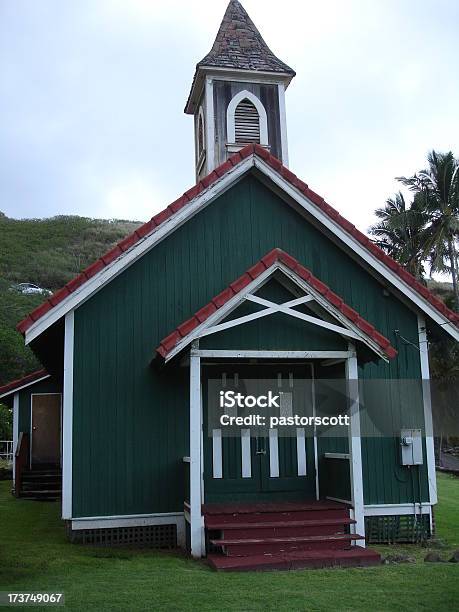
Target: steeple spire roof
[[239, 45]]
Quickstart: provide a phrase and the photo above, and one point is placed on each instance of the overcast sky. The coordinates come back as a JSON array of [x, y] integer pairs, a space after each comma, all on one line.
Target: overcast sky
[[92, 95]]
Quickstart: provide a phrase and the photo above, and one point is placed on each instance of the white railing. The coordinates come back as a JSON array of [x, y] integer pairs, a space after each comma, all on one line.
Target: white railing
[[6, 451]]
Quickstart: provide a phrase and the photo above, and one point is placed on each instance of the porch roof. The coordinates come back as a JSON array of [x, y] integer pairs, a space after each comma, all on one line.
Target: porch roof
[[215, 310], [25, 381]]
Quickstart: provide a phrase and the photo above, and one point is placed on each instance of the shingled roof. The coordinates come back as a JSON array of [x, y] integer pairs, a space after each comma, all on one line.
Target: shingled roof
[[240, 45]]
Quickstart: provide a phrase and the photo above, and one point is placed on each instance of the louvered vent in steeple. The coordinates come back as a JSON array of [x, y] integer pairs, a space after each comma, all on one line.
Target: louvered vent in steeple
[[247, 123]]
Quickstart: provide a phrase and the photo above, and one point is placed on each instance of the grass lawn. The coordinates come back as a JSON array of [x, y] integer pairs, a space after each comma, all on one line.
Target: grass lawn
[[35, 556]]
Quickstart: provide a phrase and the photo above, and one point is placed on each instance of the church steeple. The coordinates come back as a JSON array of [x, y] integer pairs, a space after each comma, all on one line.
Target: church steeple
[[238, 94]]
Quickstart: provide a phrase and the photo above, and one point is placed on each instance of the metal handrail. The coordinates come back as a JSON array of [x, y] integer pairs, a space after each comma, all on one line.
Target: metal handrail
[[6, 455]]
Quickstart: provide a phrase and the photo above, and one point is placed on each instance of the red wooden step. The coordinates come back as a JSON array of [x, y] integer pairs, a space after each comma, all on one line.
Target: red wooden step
[[282, 531], [254, 546], [298, 515], [269, 507], [212, 523], [353, 557]]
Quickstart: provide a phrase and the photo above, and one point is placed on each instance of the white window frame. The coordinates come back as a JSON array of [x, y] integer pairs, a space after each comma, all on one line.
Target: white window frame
[[230, 117]]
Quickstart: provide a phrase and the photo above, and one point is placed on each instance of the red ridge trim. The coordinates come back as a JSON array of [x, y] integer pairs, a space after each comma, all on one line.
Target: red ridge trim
[[145, 229], [194, 191], [60, 295], [241, 282], [270, 258], [24, 325], [288, 260], [94, 268], [275, 163], [128, 242], [111, 255], [223, 297], [178, 204], [349, 313], [76, 282], [224, 168], [187, 327], [205, 312], [261, 152], [235, 159], [303, 273], [247, 151], [162, 216], [256, 270]]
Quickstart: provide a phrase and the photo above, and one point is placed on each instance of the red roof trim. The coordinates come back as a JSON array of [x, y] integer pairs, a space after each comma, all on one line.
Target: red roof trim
[[148, 227], [25, 380], [183, 330]]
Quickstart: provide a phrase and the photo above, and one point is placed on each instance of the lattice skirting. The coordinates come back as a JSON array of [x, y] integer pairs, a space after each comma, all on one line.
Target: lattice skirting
[[397, 529], [151, 536]]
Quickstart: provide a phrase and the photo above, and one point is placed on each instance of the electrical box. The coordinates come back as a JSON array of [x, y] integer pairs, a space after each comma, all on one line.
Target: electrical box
[[411, 446]]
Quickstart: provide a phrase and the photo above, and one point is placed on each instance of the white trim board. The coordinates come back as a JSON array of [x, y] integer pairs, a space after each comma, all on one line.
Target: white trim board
[[283, 123], [67, 418], [248, 354], [384, 273], [15, 431], [139, 520], [396, 509], [16, 389]]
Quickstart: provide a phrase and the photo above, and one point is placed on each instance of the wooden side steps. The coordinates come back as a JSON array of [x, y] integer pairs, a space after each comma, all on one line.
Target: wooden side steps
[[41, 484], [283, 536]]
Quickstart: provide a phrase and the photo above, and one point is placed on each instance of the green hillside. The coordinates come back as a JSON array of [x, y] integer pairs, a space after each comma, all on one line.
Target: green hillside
[[48, 253]]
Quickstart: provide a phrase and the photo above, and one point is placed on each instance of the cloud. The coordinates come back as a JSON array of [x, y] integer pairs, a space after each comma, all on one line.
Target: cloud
[[92, 97]]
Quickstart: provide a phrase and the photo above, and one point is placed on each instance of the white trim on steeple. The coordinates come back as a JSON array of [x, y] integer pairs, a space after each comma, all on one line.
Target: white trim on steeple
[[230, 114]]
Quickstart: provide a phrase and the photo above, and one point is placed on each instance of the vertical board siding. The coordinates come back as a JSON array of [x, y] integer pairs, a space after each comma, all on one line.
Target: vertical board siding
[[131, 417]]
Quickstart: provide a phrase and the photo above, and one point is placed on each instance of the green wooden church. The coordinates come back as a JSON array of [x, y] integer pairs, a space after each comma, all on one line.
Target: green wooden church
[[248, 276]]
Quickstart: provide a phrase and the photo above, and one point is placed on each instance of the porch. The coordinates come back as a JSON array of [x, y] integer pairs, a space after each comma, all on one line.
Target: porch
[[256, 323], [288, 475]]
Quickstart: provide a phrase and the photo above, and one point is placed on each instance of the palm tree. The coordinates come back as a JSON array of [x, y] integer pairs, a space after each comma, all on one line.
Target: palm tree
[[437, 190], [399, 232]]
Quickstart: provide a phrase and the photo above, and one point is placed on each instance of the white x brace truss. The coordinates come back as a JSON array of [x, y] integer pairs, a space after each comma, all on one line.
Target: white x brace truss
[[213, 324]]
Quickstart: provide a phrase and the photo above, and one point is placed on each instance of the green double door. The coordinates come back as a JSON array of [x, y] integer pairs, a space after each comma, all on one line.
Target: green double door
[[249, 463]]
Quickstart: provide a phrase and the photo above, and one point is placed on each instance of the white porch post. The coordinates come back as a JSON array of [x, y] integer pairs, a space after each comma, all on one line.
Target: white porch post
[[355, 450], [196, 525], [15, 431]]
